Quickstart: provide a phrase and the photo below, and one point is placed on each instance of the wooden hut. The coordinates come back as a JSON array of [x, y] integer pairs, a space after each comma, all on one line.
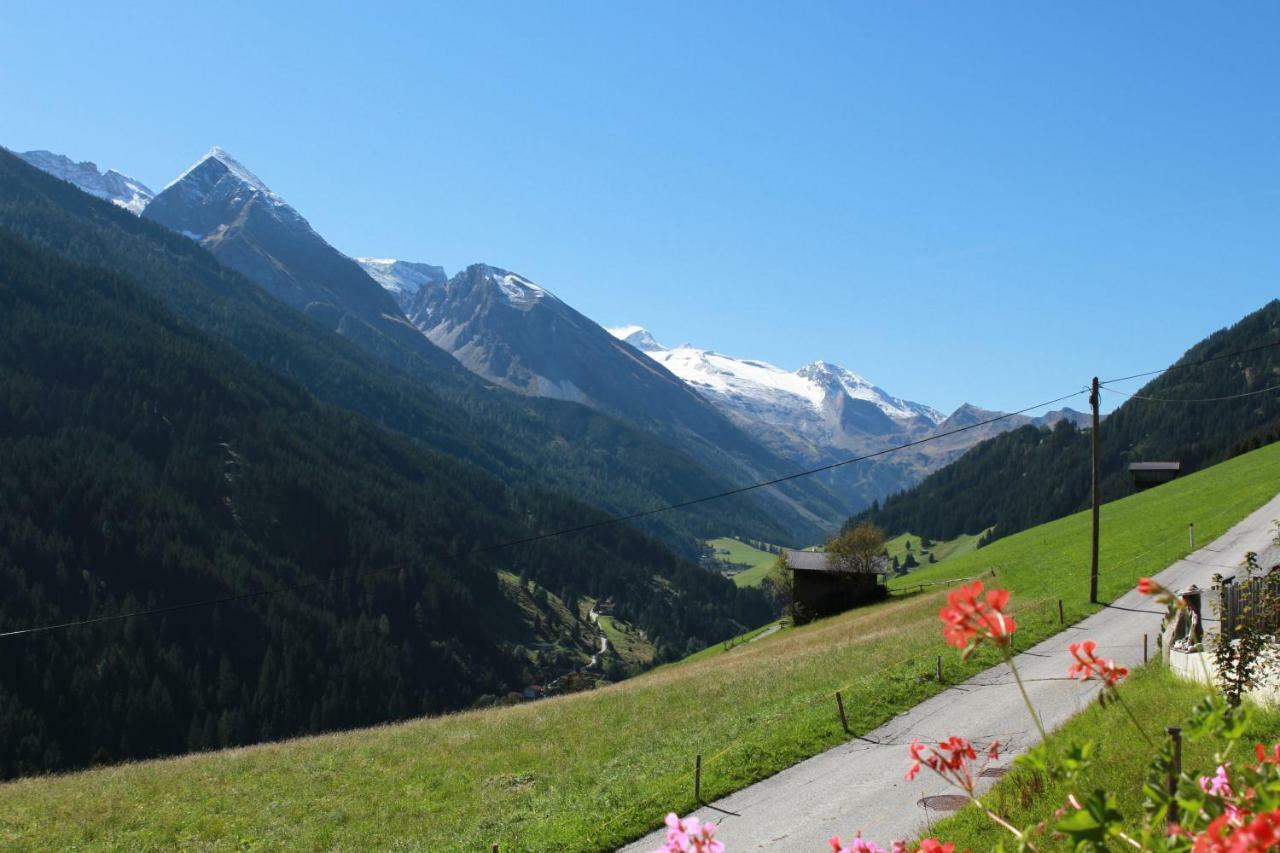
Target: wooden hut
[[820, 588], [1148, 474]]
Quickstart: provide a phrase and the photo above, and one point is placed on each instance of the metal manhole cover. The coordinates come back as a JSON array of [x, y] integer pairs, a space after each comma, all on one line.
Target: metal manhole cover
[[943, 802], [994, 772]]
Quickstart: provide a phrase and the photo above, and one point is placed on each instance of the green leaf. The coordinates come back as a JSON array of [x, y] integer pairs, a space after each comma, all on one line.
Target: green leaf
[[1076, 759], [1214, 717], [1097, 819]]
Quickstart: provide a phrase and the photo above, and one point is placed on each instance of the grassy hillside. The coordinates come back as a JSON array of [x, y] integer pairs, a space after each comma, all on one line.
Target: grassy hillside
[[1031, 475], [593, 770], [897, 547], [757, 562], [1157, 697], [627, 642]]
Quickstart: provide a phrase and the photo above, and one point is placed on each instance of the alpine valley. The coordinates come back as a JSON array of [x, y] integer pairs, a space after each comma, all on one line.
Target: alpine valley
[[362, 437], [746, 419]]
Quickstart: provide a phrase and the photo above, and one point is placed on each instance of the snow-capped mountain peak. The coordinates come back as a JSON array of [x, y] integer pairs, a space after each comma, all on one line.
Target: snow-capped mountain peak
[[637, 336], [119, 189], [833, 376], [216, 191], [229, 166], [403, 278], [752, 386]]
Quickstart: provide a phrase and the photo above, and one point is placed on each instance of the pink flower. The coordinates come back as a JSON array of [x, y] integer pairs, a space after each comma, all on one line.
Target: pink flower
[[1219, 785], [688, 835], [858, 845]]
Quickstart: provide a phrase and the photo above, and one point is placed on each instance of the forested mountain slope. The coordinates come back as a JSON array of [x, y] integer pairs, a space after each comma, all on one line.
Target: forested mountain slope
[[563, 446], [247, 227], [147, 465], [1199, 414]]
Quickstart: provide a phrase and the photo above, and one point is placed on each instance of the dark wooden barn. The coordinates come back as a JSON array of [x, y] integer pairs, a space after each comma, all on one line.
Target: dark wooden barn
[[820, 589], [1148, 474]]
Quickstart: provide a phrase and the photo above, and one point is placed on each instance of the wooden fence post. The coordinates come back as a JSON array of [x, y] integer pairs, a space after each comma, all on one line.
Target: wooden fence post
[[844, 723], [1175, 770], [697, 779], [1061, 619], [1191, 533], [1144, 648]]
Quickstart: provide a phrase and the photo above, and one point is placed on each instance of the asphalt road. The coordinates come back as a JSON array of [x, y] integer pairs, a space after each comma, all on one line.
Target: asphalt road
[[860, 785]]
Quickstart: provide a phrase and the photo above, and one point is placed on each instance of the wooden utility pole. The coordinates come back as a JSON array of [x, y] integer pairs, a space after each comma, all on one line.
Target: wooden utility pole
[[1094, 401]]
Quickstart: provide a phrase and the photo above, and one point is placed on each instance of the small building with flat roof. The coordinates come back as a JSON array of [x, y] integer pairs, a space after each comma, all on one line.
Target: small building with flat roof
[[820, 588], [1148, 474]]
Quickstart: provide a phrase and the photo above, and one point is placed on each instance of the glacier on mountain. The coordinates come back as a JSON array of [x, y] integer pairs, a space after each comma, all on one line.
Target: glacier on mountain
[[745, 384]]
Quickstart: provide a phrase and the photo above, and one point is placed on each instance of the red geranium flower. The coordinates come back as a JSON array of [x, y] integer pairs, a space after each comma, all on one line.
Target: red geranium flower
[[932, 845], [1089, 667], [953, 759], [1163, 595], [1261, 833], [967, 620]]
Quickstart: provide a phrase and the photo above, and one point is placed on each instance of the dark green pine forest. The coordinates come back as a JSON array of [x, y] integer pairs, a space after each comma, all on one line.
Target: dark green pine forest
[[148, 460], [1034, 474]]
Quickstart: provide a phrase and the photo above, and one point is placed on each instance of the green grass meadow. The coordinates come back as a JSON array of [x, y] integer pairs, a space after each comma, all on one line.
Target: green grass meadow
[[597, 769], [897, 547], [759, 562]]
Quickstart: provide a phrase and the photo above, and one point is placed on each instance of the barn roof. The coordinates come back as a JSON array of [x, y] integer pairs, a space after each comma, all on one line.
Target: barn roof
[[1155, 466], [816, 561]]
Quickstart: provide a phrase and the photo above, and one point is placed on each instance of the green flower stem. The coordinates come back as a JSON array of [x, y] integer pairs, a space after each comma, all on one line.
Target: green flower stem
[[1017, 833], [1137, 725], [1008, 658]]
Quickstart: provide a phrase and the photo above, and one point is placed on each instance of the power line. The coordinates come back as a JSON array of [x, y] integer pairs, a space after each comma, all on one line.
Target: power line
[[766, 483], [621, 519], [1194, 363], [1194, 399], [605, 522], [157, 611]]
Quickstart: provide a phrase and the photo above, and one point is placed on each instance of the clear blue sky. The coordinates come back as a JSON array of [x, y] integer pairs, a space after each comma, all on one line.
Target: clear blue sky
[[963, 202]]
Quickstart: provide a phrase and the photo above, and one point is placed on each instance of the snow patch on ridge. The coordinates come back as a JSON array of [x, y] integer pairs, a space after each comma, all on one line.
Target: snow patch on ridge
[[753, 384], [115, 187], [518, 291], [403, 278]]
